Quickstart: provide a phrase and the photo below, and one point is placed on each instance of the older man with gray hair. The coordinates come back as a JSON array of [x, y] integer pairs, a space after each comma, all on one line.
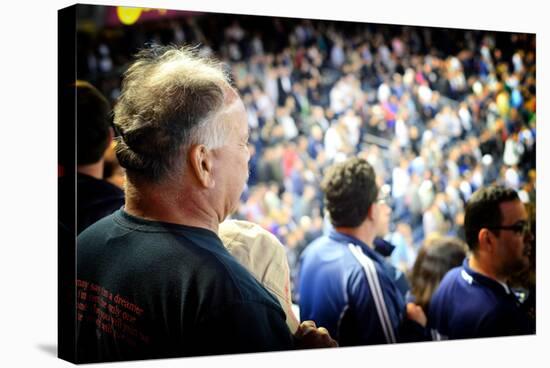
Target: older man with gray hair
[[154, 279]]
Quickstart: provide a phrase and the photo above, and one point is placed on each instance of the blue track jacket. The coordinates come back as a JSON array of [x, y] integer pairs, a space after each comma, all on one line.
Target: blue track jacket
[[348, 288]]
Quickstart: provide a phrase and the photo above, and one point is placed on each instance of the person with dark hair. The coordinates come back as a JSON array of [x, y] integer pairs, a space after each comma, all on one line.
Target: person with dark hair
[[433, 261], [474, 300], [154, 279], [96, 197], [345, 284]]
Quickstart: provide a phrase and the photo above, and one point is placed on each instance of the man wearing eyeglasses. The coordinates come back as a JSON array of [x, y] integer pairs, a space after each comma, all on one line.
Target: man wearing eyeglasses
[[474, 300]]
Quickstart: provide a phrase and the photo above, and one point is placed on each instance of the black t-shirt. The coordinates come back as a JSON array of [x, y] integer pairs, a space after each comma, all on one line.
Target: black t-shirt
[[150, 290]]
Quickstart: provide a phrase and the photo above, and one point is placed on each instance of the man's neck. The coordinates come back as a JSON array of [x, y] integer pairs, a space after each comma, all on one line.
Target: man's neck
[[93, 170], [156, 203], [361, 232], [481, 267]]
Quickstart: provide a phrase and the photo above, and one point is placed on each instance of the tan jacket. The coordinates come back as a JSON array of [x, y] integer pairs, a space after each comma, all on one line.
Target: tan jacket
[[264, 256]]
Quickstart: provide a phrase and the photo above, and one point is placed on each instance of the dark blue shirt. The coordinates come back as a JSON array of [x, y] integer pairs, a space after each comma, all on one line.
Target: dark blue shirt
[[336, 275], [468, 305], [96, 199]]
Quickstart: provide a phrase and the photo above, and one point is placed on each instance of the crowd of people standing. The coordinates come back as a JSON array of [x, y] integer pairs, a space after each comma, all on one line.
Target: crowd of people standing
[[437, 113]]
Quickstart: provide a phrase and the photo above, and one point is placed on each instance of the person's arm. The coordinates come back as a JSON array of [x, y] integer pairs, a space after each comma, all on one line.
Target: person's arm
[[416, 313], [413, 328]]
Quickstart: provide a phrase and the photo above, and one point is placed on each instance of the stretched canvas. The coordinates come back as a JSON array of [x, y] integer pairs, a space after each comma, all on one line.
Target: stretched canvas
[[438, 112]]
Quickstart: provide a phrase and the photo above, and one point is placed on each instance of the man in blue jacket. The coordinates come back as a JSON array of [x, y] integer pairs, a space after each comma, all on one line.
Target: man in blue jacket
[[345, 285], [474, 300]]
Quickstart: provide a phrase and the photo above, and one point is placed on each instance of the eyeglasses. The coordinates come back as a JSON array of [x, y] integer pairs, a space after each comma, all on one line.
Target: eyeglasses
[[383, 199], [520, 228]]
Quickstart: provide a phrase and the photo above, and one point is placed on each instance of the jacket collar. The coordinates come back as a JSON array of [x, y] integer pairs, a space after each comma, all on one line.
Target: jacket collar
[[346, 239]]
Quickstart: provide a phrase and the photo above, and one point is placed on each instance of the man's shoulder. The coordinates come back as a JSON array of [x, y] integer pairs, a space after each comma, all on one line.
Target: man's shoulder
[[454, 284], [327, 255], [459, 288], [194, 256], [461, 281], [323, 245], [228, 287], [142, 240], [455, 275], [323, 240], [101, 228]]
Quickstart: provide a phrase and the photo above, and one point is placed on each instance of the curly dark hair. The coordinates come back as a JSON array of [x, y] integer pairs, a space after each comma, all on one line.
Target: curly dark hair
[[432, 263], [93, 119], [483, 210], [350, 189]]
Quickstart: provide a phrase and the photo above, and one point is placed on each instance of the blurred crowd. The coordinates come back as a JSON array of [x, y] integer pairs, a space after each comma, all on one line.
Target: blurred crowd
[[437, 112]]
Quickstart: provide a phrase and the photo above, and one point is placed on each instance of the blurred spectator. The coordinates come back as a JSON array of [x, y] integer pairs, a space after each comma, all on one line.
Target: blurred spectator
[[405, 252], [475, 300], [342, 269], [434, 260], [96, 197]]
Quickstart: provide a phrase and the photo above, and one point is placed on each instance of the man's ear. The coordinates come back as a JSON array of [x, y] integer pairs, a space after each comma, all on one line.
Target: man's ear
[[109, 139], [111, 135], [200, 161], [370, 212], [486, 239]]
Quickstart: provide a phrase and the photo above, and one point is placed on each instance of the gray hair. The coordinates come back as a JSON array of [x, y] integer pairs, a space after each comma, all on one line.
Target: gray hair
[[168, 102]]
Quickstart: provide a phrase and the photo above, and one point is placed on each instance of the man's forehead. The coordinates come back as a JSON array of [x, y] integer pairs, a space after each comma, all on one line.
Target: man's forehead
[[235, 107], [234, 114]]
